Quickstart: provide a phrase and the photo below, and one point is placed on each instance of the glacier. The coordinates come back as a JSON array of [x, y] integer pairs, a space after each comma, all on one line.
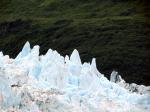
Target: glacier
[[52, 83]]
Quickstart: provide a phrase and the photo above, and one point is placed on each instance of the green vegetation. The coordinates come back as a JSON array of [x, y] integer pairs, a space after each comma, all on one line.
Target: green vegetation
[[116, 32]]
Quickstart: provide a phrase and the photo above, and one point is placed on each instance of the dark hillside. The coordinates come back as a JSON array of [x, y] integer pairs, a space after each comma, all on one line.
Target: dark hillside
[[116, 32]]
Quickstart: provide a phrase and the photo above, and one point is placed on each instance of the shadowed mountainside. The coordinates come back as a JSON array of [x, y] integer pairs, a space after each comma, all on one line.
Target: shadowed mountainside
[[116, 32]]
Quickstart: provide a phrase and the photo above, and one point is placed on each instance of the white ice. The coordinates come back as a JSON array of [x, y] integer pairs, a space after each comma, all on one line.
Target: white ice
[[53, 83]]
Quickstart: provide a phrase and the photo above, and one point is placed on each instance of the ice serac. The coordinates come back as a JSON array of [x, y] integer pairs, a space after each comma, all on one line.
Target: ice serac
[[94, 68], [51, 82], [35, 52], [75, 58], [25, 51], [140, 89], [75, 63], [114, 77]]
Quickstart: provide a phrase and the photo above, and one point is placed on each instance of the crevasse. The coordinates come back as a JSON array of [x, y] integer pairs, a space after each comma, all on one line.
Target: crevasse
[[53, 83]]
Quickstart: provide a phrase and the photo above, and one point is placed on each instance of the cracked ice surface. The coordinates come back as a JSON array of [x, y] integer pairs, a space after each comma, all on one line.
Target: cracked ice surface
[[53, 83]]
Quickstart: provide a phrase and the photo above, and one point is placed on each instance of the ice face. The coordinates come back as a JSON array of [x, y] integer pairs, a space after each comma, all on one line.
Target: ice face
[[5, 92], [55, 83]]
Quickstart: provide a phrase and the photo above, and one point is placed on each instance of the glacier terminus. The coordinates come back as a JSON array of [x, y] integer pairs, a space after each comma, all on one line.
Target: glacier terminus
[[52, 83]]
